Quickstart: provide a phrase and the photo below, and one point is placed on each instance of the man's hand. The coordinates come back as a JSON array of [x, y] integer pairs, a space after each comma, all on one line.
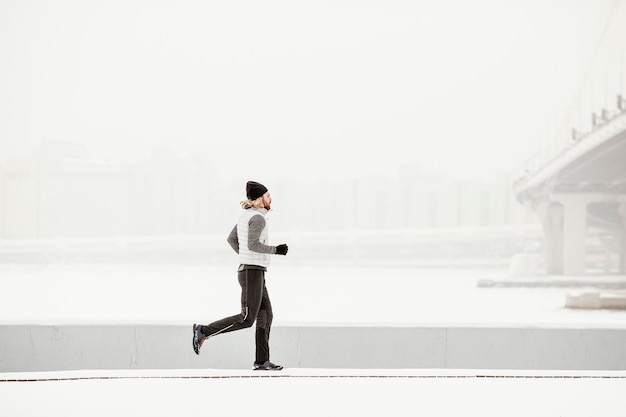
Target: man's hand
[[281, 249]]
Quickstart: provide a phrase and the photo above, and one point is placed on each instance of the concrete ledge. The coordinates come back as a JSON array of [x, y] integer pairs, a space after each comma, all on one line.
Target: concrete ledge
[[29, 348]]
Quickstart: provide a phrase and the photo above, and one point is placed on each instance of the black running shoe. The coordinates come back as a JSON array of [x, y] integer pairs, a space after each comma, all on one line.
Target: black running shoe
[[267, 366], [198, 338]]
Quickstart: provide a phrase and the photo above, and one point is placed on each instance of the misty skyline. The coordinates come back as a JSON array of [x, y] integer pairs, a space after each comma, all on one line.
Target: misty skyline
[[58, 193]]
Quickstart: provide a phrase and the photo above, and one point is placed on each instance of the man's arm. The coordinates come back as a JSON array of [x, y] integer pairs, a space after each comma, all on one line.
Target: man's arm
[[233, 239], [255, 227]]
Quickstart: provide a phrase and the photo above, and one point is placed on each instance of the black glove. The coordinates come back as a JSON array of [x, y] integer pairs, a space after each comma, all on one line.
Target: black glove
[[281, 249]]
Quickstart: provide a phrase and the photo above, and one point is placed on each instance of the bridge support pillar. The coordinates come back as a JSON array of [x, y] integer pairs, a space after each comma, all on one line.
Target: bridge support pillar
[[574, 233], [622, 240], [564, 220], [551, 216]]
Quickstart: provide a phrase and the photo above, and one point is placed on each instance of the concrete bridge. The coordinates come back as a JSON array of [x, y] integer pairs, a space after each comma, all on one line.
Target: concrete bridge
[[577, 183], [578, 190]]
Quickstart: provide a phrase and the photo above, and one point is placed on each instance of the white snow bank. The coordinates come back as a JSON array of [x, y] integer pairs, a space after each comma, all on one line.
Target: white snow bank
[[170, 294], [315, 392]]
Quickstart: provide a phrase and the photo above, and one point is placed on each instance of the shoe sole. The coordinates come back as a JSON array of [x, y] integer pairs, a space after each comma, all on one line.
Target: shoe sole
[[194, 340], [260, 368]]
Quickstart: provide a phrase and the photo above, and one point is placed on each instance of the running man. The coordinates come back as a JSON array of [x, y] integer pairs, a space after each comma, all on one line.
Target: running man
[[249, 238]]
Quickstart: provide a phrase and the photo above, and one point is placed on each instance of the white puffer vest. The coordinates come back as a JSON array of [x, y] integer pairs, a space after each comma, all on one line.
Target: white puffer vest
[[246, 256]]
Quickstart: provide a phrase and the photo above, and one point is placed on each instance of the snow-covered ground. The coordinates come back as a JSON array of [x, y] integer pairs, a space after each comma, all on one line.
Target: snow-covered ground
[[300, 294], [306, 392]]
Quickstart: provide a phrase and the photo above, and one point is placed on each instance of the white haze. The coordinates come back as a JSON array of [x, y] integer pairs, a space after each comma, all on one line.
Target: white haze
[[297, 89]]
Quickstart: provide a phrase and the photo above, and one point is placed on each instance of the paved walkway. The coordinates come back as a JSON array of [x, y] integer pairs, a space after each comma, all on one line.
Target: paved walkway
[[314, 392]]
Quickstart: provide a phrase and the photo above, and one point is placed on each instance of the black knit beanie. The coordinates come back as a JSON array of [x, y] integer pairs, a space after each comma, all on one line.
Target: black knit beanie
[[254, 190]]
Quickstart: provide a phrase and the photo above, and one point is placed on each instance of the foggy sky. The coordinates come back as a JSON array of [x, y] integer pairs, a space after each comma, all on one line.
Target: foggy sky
[[310, 89]]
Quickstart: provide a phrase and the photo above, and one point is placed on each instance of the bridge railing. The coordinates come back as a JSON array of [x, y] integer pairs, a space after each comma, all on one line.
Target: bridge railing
[[600, 99], [588, 114]]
